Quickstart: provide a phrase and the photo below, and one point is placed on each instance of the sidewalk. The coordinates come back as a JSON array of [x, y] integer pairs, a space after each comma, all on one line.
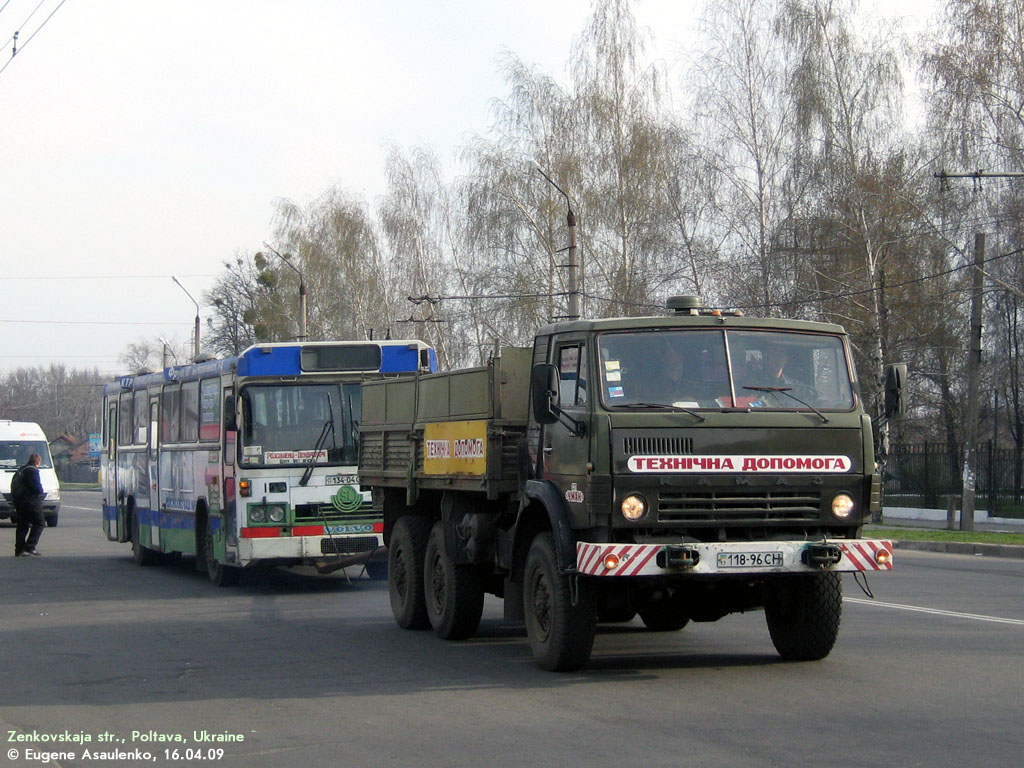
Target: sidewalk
[[935, 519]]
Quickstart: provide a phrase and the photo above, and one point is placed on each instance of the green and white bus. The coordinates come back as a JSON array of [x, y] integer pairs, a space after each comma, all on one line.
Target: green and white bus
[[249, 460]]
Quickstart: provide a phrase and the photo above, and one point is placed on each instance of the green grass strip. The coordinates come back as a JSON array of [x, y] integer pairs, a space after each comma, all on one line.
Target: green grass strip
[[936, 534]]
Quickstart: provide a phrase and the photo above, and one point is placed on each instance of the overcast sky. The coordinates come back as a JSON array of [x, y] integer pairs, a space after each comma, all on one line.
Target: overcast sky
[[143, 140]]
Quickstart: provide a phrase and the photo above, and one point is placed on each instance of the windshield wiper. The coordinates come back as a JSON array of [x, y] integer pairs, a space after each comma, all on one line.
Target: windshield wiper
[[670, 407], [786, 391], [320, 441]]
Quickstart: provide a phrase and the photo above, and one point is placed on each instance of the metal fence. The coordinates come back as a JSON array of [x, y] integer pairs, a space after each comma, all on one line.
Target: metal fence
[[924, 475]]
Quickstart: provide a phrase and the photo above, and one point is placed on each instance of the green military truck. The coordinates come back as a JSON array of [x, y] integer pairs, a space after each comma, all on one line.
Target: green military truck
[[678, 468]]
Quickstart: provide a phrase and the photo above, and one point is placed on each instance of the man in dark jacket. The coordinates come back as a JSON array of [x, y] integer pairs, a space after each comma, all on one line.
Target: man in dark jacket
[[28, 504]]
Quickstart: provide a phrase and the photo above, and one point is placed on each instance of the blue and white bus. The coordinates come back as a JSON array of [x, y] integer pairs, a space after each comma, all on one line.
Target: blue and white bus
[[248, 460]]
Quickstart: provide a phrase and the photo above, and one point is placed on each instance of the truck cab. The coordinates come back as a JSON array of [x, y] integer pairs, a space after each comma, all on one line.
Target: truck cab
[[703, 427]]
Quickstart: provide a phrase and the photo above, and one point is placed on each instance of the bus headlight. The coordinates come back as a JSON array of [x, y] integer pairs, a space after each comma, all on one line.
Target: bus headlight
[[276, 514], [258, 515], [634, 507], [842, 505]]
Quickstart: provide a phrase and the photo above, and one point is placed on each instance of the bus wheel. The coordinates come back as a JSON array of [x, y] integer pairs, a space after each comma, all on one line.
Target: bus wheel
[[803, 614], [220, 574], [561, 634], [142, 555], [454, 593], [405, 571]]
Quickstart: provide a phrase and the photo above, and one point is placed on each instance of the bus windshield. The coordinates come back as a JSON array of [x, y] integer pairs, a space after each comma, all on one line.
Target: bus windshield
[[15, 453], [714, 369], [282, 424]]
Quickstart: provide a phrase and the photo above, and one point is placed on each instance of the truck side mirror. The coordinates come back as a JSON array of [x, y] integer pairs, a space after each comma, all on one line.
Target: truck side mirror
[[544, 393], [895, 375]]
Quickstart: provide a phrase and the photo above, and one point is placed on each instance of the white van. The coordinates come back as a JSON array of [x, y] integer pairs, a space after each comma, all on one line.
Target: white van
[[18, 441]]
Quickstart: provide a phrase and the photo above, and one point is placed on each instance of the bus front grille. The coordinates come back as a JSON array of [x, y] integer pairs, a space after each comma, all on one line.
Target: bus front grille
[[348, 546]]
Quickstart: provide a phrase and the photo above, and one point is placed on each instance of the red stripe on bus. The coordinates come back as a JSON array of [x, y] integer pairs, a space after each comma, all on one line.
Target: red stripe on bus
[[308, 530], [260, 533]]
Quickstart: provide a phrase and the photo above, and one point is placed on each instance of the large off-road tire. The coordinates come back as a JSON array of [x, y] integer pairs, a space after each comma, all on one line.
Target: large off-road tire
[[142, 555], [454, 593], [406, 551], [220, 574], [561, 634], [803, 614]]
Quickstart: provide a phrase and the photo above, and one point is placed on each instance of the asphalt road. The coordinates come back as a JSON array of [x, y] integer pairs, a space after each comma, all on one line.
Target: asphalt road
[[312, 671]]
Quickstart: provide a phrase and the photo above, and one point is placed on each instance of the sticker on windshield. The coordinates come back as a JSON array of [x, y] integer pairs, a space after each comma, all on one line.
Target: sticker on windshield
[[615, 392], [291, 457], [611, 365], [613, 376], [252, 450]]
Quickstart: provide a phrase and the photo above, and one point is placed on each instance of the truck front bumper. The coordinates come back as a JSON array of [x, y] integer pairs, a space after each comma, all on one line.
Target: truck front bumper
[[733, 558]]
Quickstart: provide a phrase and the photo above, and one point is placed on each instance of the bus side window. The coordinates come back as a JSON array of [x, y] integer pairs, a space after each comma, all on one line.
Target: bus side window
[[111, 429], [125, 422], [170, 407], [154, 415]]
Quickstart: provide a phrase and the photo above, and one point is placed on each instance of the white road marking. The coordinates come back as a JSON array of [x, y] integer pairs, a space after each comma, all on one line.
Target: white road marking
[[935, 611], [84, 509]]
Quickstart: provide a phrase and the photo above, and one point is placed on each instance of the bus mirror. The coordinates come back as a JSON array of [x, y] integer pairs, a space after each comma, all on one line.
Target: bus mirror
[[230, 422], [544, 393], [895, 375]]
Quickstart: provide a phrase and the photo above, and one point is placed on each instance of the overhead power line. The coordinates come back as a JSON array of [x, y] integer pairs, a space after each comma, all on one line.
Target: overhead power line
[[94, 277], [24, 45], [92, 322]]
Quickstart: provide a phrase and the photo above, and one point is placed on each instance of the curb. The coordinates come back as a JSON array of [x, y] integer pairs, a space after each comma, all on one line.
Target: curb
[[963, 548]]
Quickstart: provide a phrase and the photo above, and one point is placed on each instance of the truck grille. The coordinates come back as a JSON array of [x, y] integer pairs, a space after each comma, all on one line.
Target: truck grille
[[657, 446], [745, 506], [348, 546]]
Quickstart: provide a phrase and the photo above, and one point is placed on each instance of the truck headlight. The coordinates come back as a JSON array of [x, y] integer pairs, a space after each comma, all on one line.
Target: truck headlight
[[258, 515], [276, 514], [634, 507], [53, 495], [842, 505]]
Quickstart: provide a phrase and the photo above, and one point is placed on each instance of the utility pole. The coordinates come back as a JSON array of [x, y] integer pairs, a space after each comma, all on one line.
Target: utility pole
[[196, 340], [287, 259], [973, 374], [572, 281]]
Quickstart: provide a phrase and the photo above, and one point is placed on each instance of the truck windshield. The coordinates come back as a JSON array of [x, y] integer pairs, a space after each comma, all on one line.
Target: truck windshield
[[15, 453], [281, 424], [714, 369]]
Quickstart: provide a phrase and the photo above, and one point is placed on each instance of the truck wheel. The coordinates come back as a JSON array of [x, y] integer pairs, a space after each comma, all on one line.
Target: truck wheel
[[142, 555], [220, 574], [561, 634], [51, 520], [664, 617], [803, 614], [405, 571], [454, 593]]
